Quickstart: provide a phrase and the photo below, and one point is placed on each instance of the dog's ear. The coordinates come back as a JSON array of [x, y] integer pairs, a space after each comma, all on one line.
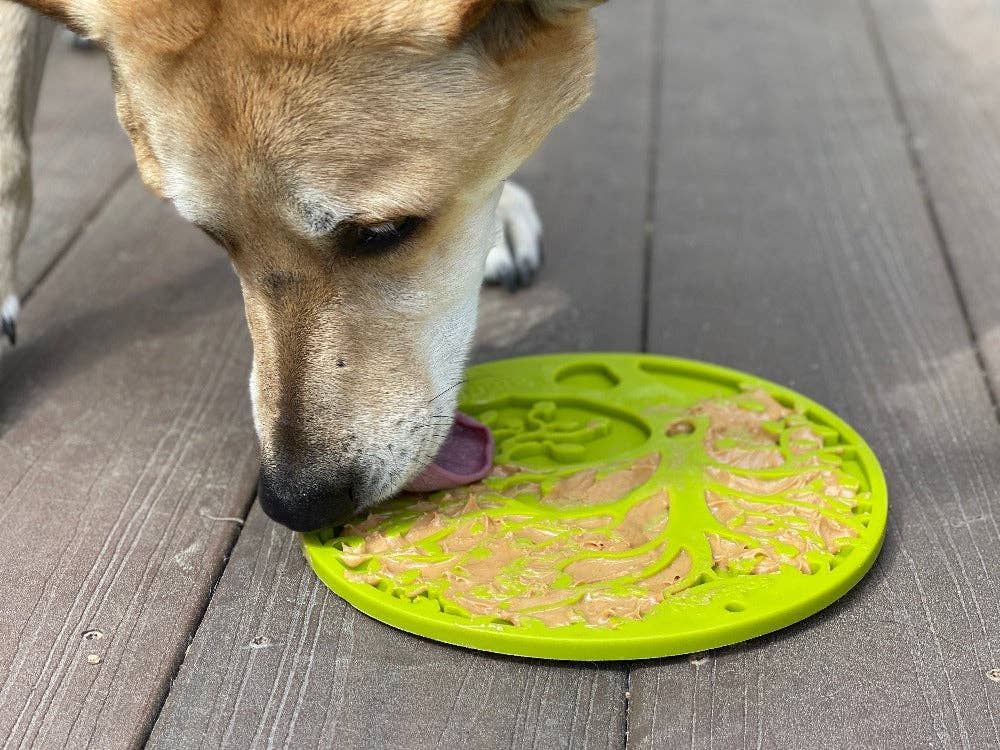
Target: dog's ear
[[160, 25], [86, 17], [57, 9], [555, 11], [502, 24], [550, 10], [54, 8]]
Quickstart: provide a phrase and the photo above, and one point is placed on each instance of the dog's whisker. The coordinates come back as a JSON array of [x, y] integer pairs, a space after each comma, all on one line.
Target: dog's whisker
[[453, 386]]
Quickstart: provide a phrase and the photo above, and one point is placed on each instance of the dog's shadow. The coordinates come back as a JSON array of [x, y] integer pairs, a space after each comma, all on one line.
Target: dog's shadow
[[142, 331]]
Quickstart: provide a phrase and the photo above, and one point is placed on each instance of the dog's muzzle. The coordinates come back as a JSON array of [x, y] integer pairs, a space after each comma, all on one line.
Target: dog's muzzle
[[295, 494]]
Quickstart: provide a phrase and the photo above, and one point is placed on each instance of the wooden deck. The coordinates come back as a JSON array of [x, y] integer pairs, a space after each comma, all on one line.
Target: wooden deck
[[806, 190]]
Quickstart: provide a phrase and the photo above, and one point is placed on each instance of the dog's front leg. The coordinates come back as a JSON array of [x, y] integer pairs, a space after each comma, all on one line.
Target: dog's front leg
[[24, 41], [514, 259]]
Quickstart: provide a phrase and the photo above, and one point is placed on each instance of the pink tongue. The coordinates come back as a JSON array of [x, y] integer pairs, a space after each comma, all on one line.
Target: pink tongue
[[465, 457]]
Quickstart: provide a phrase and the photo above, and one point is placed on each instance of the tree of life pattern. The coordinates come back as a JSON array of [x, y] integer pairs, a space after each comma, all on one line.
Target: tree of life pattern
[[742, 486]]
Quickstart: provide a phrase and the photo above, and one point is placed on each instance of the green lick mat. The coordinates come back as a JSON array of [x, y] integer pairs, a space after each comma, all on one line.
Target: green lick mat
[[639, 507]]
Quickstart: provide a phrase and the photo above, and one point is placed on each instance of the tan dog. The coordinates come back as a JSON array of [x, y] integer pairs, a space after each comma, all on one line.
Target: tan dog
[[350, 156]]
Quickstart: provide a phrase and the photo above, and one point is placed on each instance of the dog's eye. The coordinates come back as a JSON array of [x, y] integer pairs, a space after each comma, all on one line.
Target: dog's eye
[[372, 239]]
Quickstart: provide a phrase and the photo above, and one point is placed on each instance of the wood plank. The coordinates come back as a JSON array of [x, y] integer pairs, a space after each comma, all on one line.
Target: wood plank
[[123, 427], [944, 62], [792, 240], [281, 661], [329, 674], [79, 154]]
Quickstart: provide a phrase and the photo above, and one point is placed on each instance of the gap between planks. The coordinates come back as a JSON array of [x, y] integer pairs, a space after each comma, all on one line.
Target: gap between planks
[[653, 151], [91, 216], [218, 569], [930, 207]]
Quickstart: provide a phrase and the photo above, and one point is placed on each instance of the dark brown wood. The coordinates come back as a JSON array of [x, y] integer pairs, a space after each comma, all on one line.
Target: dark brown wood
[[79, 154], [280, 661], [792, 240], [124, 430]]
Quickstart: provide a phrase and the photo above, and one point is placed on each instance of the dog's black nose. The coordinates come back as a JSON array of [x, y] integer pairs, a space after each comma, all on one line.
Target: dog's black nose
[[304, 502]]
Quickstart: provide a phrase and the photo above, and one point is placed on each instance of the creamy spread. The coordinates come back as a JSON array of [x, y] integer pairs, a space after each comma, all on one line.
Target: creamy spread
[[590, 569], [586, 488], [543, 550], [738, 433], [778, 517]]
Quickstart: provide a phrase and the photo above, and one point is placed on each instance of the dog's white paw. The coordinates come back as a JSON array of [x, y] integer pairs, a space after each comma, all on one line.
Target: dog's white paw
[[517, 255], [9, 309]]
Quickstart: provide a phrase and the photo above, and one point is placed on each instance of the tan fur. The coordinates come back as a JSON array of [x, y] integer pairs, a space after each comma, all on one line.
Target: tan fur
[[250, 114]]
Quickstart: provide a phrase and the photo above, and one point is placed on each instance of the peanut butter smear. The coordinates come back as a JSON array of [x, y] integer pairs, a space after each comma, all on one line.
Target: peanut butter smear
[[585, 488], [795, 513], [566, 545], [595, 569]]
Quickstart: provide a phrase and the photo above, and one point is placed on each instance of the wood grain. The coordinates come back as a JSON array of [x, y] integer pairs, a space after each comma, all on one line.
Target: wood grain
[[792, 240], [80, 154], [943, 62], [280, 661], [590, 183], [328, 675], [123, 429]]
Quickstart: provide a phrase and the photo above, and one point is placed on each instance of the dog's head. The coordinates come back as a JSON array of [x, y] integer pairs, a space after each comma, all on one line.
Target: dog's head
[[348, 155]]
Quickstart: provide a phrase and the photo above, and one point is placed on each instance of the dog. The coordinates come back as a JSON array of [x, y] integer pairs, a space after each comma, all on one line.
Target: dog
[[351, 157]]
